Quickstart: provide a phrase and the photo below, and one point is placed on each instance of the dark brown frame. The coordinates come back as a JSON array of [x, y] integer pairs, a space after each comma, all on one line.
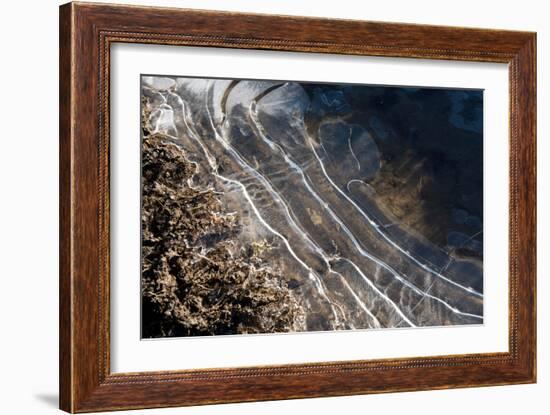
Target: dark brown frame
[[86, 33]]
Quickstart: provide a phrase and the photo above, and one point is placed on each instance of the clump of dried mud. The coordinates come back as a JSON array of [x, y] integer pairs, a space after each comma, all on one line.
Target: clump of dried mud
[[195, 280]]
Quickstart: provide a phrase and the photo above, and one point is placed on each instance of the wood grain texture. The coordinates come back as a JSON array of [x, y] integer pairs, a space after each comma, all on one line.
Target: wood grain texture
[[86, 33], [65, 246]]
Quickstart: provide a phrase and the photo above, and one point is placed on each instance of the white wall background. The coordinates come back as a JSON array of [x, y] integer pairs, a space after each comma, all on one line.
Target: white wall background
[[29, 207]]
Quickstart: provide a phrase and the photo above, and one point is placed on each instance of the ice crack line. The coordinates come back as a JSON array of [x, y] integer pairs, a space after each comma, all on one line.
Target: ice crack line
[[351, 149]]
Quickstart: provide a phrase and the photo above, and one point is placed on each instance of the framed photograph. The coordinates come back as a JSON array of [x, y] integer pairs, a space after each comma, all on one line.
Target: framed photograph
[[260, 207]]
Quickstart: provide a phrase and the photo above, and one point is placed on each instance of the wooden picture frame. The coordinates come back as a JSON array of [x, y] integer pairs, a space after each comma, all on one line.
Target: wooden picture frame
[[86, 33]]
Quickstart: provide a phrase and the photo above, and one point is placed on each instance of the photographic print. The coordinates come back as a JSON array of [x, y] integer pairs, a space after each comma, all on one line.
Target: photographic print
[[274, 206]]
